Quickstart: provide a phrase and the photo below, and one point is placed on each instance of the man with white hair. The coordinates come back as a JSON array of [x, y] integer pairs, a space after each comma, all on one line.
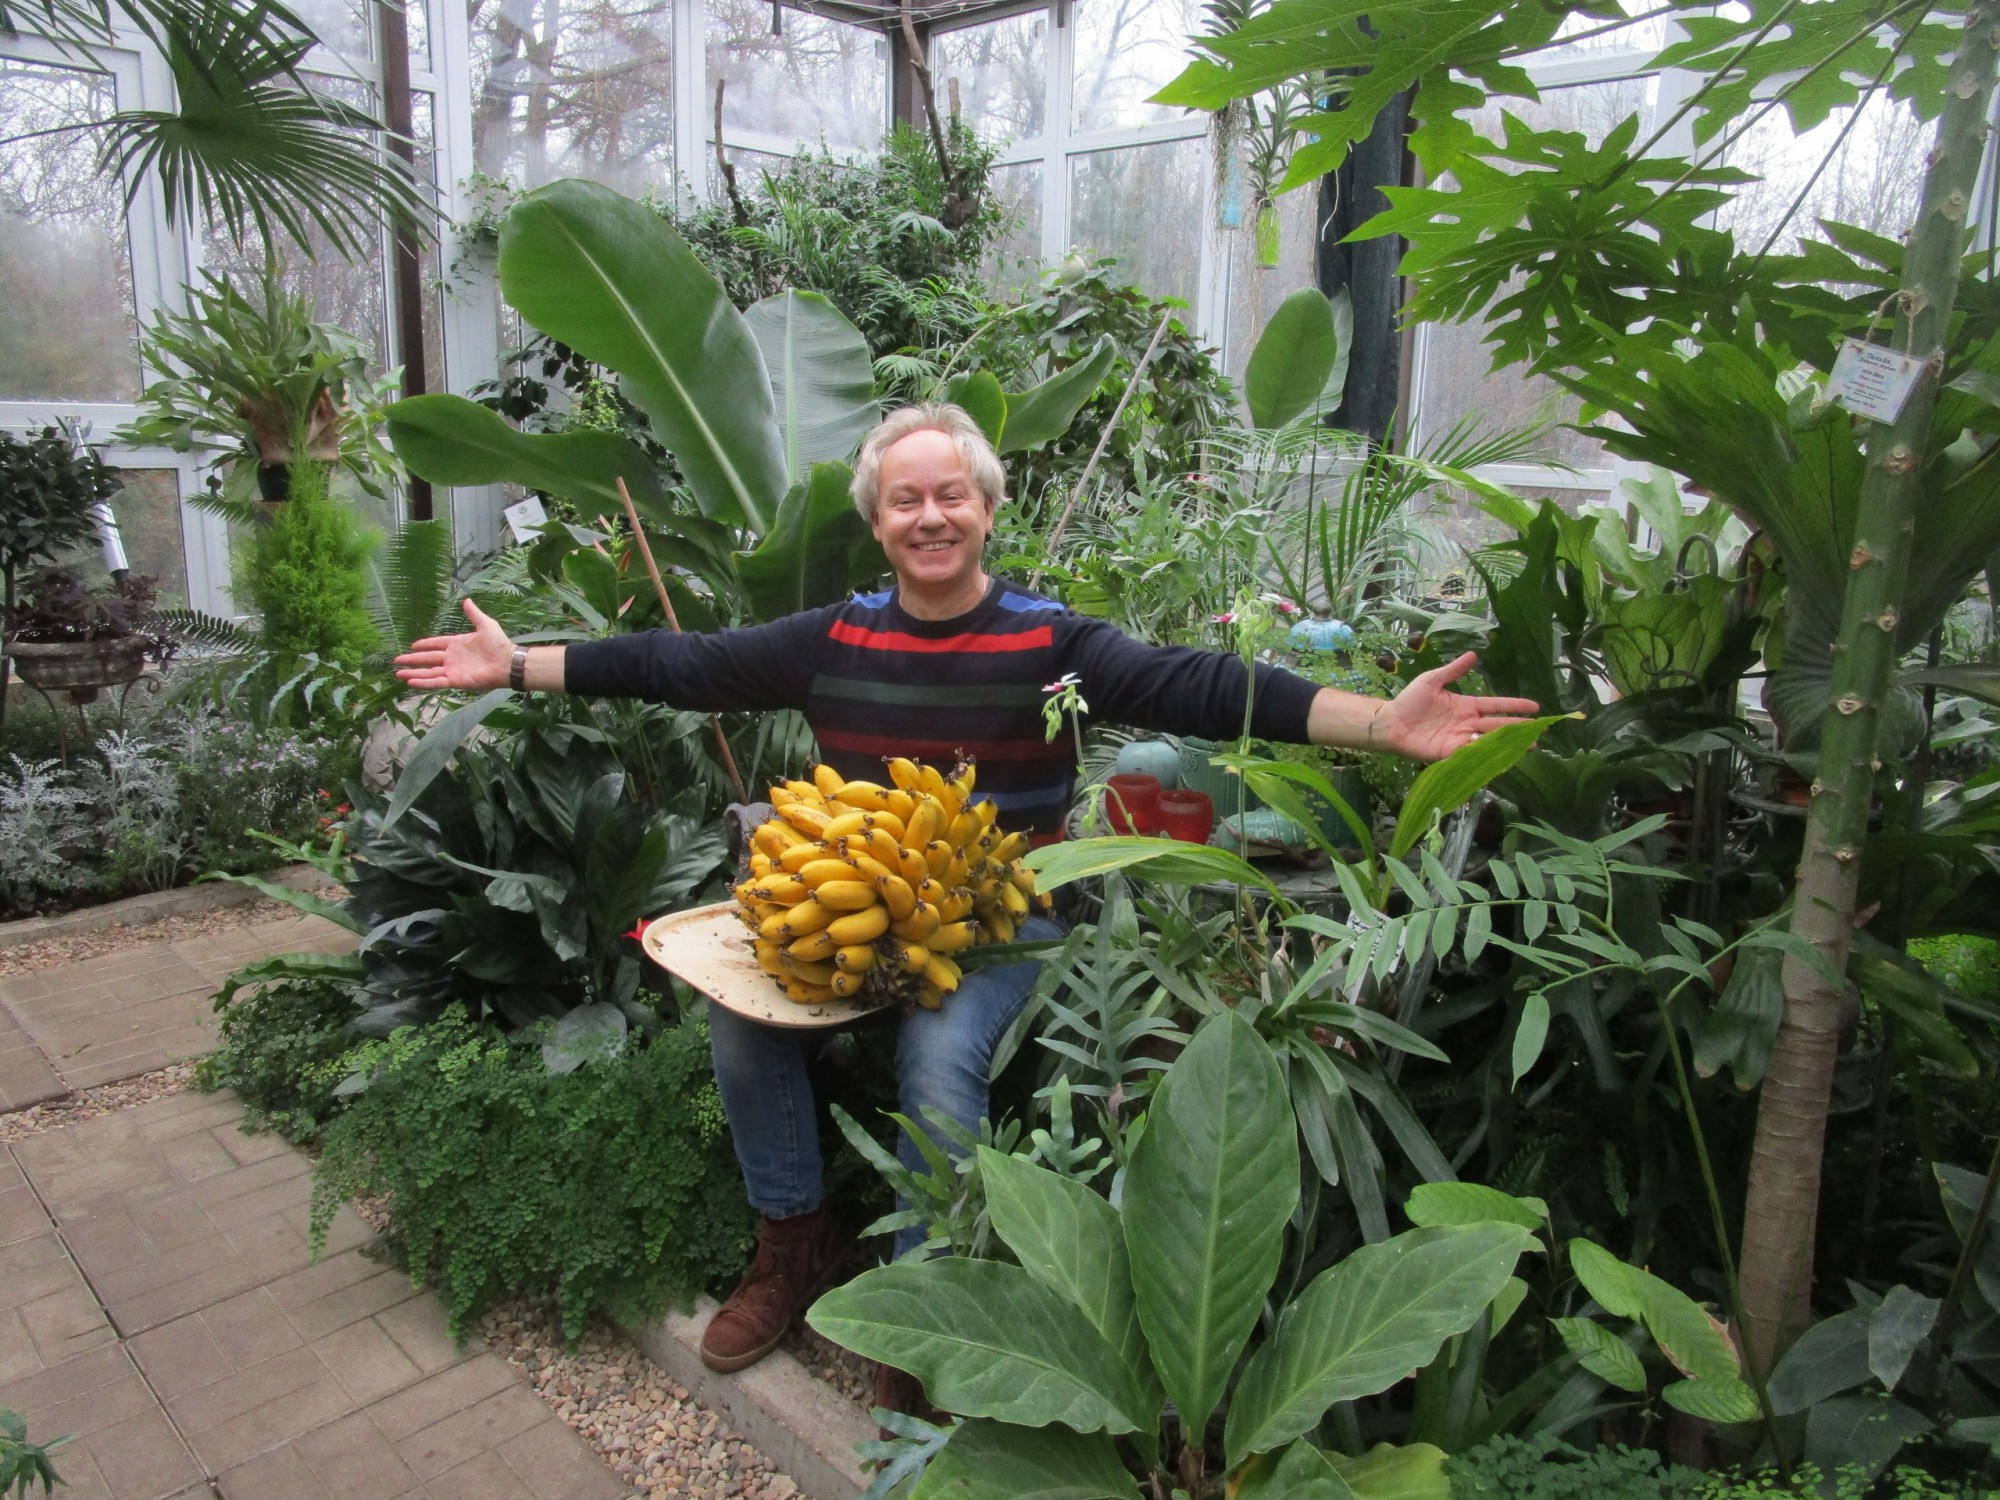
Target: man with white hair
[[947, 662]]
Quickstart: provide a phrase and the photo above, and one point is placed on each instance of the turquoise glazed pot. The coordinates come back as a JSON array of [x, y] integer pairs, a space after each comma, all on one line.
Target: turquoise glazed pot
[[1158, 759]]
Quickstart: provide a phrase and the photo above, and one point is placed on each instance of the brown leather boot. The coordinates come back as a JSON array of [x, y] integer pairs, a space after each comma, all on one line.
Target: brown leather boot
[[794, 1258]]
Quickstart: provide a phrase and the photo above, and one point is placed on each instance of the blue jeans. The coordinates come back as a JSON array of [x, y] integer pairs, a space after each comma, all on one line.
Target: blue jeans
[[942, 1058]]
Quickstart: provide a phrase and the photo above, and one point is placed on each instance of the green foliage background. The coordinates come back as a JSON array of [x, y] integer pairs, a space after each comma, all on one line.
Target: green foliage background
[[306, 574]]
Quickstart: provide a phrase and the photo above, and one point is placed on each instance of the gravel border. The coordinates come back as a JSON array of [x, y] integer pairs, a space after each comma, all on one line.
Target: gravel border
[[652, 1433], [89, 1104], [156, 906]]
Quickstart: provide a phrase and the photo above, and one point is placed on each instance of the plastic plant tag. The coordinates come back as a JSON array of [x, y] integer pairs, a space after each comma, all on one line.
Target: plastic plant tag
[[1872, 381], [526, 519]]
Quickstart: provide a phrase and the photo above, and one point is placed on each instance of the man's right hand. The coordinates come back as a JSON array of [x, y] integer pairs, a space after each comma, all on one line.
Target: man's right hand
[[472, 662]]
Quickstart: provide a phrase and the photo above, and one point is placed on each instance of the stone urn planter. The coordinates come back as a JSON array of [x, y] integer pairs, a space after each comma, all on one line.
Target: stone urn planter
[[79, 668]]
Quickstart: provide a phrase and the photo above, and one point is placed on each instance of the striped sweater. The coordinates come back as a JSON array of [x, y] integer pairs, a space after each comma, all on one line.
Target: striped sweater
[[875, 681]]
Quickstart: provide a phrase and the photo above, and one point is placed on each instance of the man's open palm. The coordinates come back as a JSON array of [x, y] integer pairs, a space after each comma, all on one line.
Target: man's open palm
[[474, 662], [1428, 721]]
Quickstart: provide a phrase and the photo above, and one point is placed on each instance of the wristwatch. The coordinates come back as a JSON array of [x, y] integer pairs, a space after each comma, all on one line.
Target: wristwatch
[[517, 670]]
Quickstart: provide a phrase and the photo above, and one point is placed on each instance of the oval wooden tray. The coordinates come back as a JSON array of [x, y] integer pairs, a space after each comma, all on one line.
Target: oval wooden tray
[[710, 949]]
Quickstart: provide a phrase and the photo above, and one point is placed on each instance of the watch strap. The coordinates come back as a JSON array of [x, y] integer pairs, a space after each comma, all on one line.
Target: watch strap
[[517, 670]]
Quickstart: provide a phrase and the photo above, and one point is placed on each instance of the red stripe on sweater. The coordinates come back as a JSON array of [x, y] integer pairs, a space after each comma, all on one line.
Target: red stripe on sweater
[[896, 640], [940, 752]]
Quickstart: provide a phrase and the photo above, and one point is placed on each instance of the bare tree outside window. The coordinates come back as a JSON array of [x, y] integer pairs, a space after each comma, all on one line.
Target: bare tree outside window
[[1126, 51], [1872, 179], [811, 80], [1000, 69], [69, 327], [1140, 203], [567, 89]]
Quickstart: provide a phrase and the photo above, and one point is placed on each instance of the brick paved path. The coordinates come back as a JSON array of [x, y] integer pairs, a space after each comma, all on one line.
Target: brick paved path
[[157, 1299]]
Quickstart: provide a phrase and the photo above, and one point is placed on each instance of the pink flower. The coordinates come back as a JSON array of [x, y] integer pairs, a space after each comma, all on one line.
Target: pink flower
[[1285, 606], [1227, 617]]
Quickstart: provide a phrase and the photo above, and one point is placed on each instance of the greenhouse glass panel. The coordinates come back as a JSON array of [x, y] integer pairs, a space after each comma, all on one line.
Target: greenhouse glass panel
[[1867, 171], [1014, 259], [1140, 203], [1458, 384], [1591, 36], [1256, 289], [579, 92], [1001, 70], [149, 523], [417, 20], [69, 331], [343, 25], [811, 80], [1126, 51], [751, 169]]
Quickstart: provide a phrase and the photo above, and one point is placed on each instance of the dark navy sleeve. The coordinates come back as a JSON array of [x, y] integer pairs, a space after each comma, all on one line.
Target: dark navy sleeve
[[727, 671], [1177, 689]]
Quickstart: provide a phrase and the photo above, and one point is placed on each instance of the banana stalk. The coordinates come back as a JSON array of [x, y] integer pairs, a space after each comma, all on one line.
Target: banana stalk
[[1780, 1212]]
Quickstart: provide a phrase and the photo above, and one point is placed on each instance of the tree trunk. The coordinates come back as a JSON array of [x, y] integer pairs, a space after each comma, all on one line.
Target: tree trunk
[[1781, 1208]]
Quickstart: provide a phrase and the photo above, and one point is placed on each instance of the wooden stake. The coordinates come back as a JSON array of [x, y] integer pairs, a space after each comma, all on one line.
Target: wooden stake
[[674, 623]]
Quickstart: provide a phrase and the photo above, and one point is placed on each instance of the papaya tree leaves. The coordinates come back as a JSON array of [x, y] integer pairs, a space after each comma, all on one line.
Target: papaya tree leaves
[[1366, 1323], [1043, 412], [986, 1340], [452, 441], [822, 377], [610, 278], [1068, 1239], [816, 551], [1208, 1191], [997, 1461]]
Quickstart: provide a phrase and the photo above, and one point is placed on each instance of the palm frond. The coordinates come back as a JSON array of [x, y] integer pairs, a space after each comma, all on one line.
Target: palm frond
[[413, 582], [82, 24], [251, 143], [206, 632]]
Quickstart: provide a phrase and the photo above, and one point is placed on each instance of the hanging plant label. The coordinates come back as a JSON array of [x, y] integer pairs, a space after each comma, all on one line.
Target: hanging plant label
[[526, 519], [1872, 381]]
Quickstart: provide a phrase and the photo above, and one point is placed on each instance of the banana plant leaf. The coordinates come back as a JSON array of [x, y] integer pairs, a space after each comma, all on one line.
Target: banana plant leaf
[[452, 441], [1042, 413], [1293, 359], [822, 378], [817, 551], [610, 278], [979, 393]]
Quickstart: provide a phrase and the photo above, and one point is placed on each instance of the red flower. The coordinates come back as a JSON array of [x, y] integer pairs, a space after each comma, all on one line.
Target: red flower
[[638, 932]]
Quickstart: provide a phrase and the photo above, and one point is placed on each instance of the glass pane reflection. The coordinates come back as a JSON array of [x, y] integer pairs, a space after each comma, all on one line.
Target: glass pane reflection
[[811, 80], [1140, 204]]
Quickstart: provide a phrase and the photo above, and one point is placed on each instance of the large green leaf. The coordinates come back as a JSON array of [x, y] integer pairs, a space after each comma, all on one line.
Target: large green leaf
[[986, 1340], [1042, 413], [816, 552], [1367, 1323], [1067, 1238], [1433, 1203], [1693, 1342], [822, 377], [978, 393], [1209, 1189], [996, 1461], [610, 278], [452, 441], [1165, 860], [1452, 782], [1301, 1472], [435, 750], [1601, 1352], [1295, 354]]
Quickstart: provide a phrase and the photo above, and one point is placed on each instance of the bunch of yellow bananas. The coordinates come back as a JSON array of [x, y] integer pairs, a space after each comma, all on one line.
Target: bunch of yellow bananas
[[857, 888]]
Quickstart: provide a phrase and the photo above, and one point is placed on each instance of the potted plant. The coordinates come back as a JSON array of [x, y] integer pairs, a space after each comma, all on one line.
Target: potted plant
[[256, 382], [68, 637], [49, 483]]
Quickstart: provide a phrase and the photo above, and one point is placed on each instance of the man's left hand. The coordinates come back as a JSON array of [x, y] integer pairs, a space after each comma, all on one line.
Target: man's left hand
[[1428, 721]]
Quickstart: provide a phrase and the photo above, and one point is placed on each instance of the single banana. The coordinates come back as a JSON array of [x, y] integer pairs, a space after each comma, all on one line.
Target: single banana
[[1010, 848], [909, 957], [845, 984], [953, 936], [897, 895], [964, 829], [808, 916], [905, 773], [883, 848], [846, 823], [941, 974], [910, 865], [827, 781], [857, 958], [922, 824], [812, 973], [864, 796], [918, 926], [774, 837], [784, 890], [899, 802], [768, 955], [932, 781], [807, 793], [848, 895], [1014, 901], [937, 855], [823, 870], [814, 946], [868, 868], [957, 906], [807, 820], [863, 926], [801, 854], [808, 994]]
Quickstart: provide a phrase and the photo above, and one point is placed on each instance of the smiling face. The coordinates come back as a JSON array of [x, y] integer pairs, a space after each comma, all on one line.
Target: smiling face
[[932, 521]]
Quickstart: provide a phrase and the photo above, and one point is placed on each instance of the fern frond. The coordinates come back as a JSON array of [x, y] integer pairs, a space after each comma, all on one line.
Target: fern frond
[[413, 582], [191, 627]]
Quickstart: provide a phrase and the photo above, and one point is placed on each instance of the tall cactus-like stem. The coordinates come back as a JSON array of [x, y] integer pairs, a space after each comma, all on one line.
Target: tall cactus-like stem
[[1780, 1213]]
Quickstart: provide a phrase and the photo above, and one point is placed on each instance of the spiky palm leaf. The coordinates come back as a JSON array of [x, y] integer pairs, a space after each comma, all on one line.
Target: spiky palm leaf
[[252, 144]]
